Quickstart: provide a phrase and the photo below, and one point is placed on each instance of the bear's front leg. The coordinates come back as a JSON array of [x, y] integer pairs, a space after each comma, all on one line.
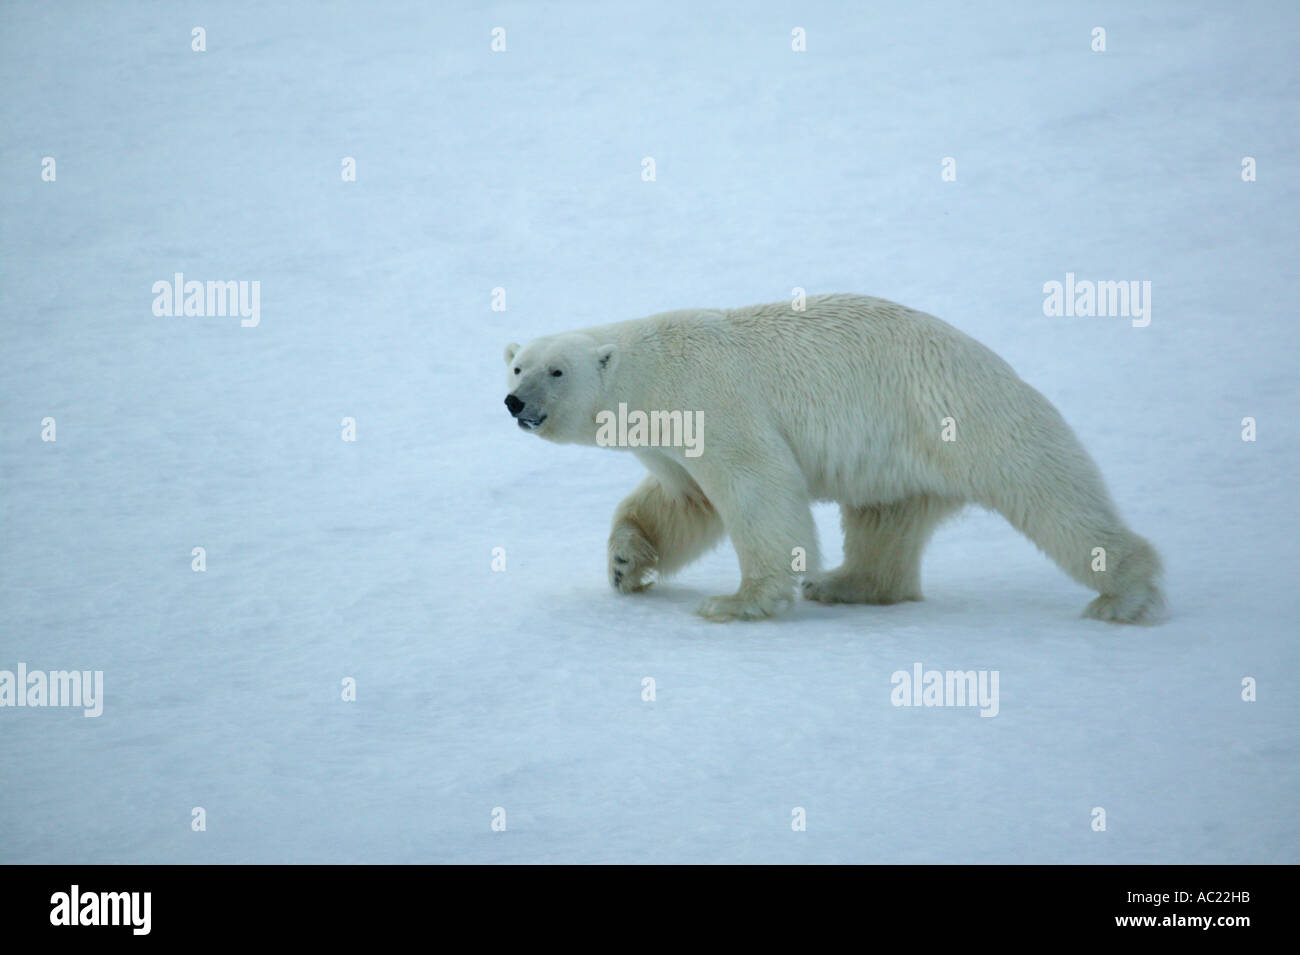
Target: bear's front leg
[[658, 529], [765, 508]]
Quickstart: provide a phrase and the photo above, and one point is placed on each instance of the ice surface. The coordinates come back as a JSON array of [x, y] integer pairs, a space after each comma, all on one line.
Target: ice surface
[[522, 169]]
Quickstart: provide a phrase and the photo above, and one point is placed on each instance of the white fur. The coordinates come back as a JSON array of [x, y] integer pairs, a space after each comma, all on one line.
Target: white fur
[[843, 402]]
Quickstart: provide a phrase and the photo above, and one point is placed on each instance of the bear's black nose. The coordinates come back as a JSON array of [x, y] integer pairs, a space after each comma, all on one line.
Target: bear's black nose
[[514, 405]]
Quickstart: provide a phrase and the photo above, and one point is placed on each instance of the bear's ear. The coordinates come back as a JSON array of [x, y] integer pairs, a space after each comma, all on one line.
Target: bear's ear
[[607, 357], [511, 351]]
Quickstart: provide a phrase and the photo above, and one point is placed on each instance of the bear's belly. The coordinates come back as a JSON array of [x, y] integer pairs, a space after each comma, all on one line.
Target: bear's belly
[[861, 486], [865, 473]]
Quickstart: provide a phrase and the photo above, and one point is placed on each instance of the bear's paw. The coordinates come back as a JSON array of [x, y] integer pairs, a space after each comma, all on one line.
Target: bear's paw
[[747, 604], [847, 587], [632, 559], [1141, 603]]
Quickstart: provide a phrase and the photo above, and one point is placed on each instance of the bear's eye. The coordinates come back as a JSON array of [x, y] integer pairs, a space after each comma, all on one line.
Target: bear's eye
[[516, 371], [557, 373]]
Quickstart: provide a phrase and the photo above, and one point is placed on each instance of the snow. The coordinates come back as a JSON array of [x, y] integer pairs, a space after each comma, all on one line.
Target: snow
[[523, 689]]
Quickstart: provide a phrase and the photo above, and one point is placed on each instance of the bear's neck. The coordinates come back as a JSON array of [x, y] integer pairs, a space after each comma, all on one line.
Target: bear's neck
[[638, 380]]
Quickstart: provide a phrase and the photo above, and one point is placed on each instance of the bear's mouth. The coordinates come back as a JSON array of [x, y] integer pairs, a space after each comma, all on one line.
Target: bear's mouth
[[530, 424]]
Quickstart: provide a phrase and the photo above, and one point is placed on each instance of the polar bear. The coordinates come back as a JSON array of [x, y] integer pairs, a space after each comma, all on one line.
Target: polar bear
[[892, 413]]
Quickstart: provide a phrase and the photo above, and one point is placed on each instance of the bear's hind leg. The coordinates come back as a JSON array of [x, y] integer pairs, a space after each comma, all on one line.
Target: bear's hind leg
[[883, 544], [657, 530], [1067, 512]]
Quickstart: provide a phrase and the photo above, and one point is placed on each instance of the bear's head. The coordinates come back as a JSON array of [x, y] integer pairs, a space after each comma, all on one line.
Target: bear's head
[[557, 385]]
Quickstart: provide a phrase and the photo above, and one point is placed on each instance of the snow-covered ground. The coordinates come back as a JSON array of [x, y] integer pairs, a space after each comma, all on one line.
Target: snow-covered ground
[[522, 169]]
